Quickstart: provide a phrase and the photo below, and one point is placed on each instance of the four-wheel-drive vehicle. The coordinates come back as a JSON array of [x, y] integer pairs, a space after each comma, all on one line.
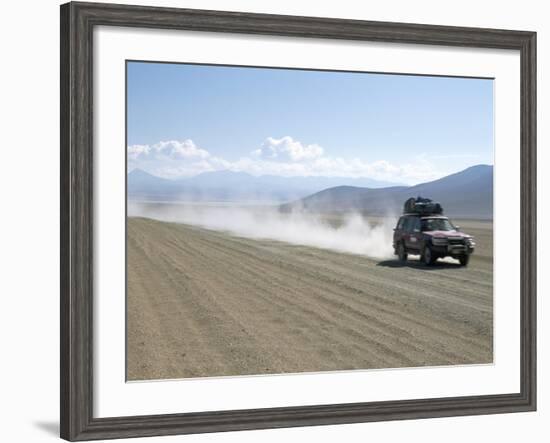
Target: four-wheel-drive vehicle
[[431, 236]]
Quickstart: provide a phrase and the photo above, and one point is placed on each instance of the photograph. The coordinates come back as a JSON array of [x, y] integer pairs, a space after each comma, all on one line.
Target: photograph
[[285, 220]]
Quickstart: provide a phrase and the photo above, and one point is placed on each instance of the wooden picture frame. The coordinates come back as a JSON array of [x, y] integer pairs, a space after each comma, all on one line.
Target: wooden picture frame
[[77, 23]]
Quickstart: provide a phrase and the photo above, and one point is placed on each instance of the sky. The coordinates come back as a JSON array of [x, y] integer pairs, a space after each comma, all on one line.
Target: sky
[[185, 119]]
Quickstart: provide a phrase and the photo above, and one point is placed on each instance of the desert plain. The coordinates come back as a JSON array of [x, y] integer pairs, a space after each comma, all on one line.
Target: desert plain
[[208, 303]]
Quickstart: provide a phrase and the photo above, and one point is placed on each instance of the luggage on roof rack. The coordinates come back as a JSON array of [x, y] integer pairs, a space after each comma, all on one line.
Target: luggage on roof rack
[[423, 206]]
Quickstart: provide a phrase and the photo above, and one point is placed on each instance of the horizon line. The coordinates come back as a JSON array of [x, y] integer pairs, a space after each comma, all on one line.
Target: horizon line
[[181, 177]]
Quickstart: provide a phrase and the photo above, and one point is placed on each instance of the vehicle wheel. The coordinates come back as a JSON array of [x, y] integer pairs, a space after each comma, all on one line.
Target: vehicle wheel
[[401, 252], [464, 259], [428, 256]]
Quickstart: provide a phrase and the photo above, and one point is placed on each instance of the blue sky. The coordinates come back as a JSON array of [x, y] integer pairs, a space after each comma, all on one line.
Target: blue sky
[[186, 119]]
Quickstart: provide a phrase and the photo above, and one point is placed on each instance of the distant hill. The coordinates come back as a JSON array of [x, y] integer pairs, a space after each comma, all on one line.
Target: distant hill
[[467, 194], [143, 184], [235, 186]]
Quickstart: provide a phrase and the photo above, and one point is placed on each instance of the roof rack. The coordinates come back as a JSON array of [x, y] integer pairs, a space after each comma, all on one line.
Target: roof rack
[[422, 206]]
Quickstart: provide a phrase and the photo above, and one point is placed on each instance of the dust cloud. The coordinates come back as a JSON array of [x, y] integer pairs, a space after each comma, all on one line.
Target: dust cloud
[[351, 233]]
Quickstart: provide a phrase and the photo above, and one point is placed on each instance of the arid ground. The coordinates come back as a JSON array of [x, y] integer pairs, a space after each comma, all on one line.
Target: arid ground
[[205, 303]]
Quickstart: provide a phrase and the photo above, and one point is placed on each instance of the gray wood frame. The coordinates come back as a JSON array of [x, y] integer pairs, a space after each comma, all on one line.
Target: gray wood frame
[[77, 24]]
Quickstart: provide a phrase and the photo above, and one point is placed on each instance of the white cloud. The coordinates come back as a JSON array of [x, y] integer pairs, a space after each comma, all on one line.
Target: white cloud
[[283, 157], [136, 152], [167, 150], [287, 149]]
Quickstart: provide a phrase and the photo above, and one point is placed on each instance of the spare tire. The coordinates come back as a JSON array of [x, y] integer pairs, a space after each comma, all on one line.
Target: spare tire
[[409, 205]]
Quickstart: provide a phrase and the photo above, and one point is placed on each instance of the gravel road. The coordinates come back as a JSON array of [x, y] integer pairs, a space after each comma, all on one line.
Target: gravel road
[[205, 303]]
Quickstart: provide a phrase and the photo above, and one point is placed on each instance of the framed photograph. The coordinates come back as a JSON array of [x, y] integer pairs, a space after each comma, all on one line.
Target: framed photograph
[[272, 221]]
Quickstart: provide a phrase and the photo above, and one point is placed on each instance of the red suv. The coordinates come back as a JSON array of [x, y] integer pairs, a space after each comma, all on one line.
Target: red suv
[[431, 237]]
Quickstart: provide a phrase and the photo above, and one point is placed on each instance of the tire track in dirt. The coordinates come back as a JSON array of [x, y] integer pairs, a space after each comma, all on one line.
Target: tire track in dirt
[[354, 290], [203, 303]]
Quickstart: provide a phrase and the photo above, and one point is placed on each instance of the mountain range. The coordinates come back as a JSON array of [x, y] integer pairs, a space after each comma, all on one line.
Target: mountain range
[[235, 186], [465, 194]]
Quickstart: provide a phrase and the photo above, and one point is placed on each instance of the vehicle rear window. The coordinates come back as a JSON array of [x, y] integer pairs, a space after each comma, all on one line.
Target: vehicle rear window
[[409, 223], [400, 223]]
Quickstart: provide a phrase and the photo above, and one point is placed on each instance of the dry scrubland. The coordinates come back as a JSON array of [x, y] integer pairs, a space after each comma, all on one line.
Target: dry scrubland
[[204, 303]]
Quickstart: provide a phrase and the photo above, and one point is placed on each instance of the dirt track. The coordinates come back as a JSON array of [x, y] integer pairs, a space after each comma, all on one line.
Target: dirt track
[[203, 303]]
